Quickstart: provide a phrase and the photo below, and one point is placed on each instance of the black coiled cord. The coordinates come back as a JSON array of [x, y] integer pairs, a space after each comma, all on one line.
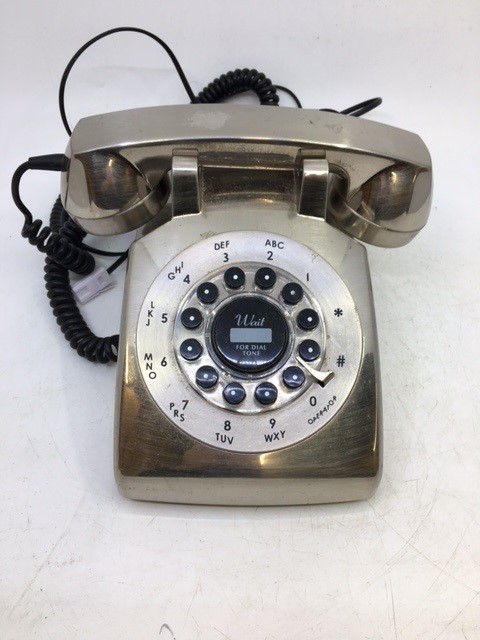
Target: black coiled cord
[[65, 309], [63, 248], [62, 243], [226, 86], [238, 81]]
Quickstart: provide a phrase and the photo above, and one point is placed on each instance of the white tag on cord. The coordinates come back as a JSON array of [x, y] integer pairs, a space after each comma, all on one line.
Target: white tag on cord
[[92, 285]]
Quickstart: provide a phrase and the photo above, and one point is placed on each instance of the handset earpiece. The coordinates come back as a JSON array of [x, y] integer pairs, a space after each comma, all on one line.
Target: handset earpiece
[[388, 209], [106, 194]]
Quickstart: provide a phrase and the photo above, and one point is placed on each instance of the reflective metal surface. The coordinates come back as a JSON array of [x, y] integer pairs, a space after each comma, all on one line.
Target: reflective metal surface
[[203, 334], [186, 194], [113, 195], [174, 383], [380, 194], [313, 196], [156, 460]]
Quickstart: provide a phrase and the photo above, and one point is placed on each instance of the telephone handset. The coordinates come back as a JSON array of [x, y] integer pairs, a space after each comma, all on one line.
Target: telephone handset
[[248, 361]]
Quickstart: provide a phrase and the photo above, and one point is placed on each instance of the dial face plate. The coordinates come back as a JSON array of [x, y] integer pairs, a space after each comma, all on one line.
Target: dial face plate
[[249, 341]]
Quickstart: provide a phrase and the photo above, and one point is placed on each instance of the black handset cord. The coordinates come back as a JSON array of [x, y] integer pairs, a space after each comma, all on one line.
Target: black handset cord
[[62, 240]]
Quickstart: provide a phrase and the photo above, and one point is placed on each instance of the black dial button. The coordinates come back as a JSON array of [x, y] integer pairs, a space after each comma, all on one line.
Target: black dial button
[[234, 278], [265, 278], [250, 334], [191, 349], [266, 393], [292, 293], [206, 377], [234, 393], [309, 350], [308, 319], [191, 318], [207, 292], [293, 377]]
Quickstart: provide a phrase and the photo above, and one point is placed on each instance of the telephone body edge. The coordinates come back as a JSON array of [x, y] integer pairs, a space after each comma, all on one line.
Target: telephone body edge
[[302, 173]]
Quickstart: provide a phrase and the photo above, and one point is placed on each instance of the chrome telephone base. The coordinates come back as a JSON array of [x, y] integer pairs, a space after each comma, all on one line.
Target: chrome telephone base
[[248, 363], [176, 442]]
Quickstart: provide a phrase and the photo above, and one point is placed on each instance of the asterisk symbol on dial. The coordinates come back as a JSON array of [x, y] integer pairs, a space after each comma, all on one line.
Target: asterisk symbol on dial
[[338, 312]]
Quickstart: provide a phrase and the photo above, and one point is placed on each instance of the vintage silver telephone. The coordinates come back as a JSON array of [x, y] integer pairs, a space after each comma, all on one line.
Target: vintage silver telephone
[[248, 363]]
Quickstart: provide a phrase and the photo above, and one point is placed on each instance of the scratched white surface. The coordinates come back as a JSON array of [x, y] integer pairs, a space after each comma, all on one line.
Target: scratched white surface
[[79, 561]]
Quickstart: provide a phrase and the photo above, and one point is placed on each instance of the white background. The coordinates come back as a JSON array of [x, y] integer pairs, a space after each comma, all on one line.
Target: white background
[[79, 561]]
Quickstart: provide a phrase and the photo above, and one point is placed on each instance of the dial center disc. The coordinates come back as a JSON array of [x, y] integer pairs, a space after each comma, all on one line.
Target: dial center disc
[[249, 334]]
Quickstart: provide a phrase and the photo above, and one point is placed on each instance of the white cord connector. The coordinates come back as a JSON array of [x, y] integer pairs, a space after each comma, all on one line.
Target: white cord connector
[[92, 285]]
